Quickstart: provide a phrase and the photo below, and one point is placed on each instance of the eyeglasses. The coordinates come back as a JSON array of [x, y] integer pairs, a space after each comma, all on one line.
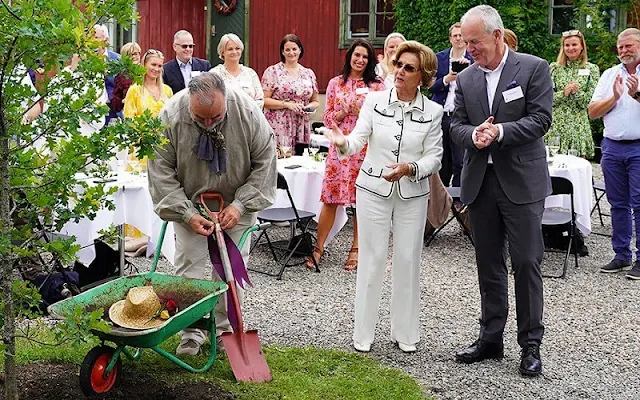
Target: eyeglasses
[[573, 32], [135, 53], [187, 46], [407, 67]]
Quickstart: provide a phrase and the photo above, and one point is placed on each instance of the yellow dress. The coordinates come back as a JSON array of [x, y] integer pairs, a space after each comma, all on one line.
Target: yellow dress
[[135, 103]]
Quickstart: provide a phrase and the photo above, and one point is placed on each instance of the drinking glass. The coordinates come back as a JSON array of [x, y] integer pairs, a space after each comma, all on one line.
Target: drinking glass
[[314, 147], [285, 145], [554, 145], [573, 152]]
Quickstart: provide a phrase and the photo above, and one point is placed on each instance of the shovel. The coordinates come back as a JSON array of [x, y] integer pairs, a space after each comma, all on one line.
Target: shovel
[[243, 348]]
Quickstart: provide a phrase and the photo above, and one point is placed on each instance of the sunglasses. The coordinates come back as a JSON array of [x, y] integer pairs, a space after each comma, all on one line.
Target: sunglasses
[[187, 46], [407, 67], [573, 32], [152, 52]]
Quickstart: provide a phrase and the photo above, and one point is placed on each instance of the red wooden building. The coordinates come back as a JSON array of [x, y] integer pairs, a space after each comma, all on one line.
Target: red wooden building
[[325, 27], [261, 24]]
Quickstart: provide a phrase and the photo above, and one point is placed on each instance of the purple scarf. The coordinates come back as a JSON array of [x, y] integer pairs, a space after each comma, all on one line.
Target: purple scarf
[[211, 148]]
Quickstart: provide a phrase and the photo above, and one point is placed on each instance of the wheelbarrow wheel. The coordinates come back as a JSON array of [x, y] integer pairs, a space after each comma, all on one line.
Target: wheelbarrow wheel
[[92, 372]]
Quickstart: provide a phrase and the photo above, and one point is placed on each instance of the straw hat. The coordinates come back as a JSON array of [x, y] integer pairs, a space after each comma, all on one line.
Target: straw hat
[[140, 310]]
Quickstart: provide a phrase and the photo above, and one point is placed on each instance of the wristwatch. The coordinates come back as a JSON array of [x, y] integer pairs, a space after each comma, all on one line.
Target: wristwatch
[[636, 96]]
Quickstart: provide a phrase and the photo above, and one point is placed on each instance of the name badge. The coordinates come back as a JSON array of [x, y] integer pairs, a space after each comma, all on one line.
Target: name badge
[[512, 94], [583, 72], [306, 82], [362, 90], [195, 73]]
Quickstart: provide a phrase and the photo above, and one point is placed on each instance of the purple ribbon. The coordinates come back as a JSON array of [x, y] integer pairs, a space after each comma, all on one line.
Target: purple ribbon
[[237, 267]]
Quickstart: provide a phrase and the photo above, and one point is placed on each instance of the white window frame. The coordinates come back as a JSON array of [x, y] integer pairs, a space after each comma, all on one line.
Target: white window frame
[[345, 25], [617, 23]]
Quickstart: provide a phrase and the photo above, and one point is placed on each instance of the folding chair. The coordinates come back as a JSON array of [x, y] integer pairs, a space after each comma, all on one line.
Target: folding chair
[[599, 193], [298, 245], [555, 217], [458, 215]]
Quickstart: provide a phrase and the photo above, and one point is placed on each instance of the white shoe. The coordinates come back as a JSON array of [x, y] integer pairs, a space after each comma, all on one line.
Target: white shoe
[[188, 347], [363, 348], [406, 348]]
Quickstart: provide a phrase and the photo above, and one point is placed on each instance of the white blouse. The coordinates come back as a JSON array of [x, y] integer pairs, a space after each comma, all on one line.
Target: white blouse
[[247, 81]]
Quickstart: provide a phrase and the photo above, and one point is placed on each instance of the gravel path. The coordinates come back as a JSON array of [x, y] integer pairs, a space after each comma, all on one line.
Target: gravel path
[[591, 347]]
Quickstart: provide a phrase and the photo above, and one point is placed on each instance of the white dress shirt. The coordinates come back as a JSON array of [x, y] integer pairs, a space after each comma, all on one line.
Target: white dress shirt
[[622, 122], [185, 70], [493, 78]]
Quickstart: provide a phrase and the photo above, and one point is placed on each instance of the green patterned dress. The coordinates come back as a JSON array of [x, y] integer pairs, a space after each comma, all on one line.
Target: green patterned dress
[[570, 118]]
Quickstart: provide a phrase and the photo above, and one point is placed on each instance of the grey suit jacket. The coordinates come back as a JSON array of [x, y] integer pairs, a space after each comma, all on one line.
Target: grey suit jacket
[[519, 159]]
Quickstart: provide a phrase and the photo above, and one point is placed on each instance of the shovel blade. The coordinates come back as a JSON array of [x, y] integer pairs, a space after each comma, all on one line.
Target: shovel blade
[[246, 357]]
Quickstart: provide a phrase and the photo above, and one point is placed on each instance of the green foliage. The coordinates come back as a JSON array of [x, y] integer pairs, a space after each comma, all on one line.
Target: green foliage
[[47, 157], [26, 300], [428, 21], [42, 162]]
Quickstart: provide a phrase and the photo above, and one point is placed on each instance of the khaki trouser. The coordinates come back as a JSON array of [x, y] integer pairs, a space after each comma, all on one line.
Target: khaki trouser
[[192, 258]]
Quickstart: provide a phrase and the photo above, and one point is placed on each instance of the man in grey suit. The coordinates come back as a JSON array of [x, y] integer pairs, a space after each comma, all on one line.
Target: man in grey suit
[[502, 111]]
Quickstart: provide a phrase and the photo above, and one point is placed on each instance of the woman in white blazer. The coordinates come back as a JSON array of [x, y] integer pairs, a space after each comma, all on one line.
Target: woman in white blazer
[[402, 128]]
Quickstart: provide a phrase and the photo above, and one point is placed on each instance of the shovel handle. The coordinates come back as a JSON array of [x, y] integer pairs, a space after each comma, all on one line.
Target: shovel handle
[[212, 196], [231, 280]]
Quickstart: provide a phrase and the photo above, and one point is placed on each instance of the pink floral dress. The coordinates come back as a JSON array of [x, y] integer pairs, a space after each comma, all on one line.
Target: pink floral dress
[[289, 127], [338, 185]]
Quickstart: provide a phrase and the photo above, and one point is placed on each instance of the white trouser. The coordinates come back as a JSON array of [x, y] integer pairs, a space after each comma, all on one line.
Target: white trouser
[[192, 255], [376, 217]]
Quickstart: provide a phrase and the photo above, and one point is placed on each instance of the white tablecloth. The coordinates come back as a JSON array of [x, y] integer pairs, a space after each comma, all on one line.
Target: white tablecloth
[[133, 206], [578, 171], [305, 185]]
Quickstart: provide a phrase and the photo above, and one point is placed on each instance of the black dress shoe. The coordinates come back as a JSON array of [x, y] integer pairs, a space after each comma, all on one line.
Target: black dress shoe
[[480, 350], [530, 363]]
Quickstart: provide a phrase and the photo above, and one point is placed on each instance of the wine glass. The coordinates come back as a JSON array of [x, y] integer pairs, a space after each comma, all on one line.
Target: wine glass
[[285, 145], [134, 163], [314, 147], [554, 144]]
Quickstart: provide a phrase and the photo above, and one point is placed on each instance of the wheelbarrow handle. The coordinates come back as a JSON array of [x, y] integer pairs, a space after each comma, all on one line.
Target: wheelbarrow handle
[[212, 196]]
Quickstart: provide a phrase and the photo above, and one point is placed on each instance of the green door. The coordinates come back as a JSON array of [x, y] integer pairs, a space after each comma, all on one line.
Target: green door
[[222, 24]]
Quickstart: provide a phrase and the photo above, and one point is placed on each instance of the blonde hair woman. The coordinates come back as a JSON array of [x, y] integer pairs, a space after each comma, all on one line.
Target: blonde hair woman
[[235, 74], [402, 129], [384, 69], [122, 81], [510, 39], [574, 80], [153, 93]]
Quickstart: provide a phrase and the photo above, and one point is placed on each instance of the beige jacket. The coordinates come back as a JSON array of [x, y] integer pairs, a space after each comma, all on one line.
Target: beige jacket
[[177, 177]]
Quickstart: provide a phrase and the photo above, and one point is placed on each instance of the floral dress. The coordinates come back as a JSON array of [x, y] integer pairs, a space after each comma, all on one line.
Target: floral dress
[[570, 118], [289, 127], [338, 185]]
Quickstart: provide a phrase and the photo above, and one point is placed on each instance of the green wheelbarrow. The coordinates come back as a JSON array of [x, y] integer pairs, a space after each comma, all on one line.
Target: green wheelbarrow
[[101, 368]]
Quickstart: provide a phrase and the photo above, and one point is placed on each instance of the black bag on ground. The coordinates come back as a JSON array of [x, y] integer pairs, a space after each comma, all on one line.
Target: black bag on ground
[[557, 237], [105, 265]]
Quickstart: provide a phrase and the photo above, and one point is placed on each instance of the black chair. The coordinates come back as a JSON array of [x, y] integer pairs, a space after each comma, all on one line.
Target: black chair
[[556, 217], [300, 242], [460, 215], [599, 192]]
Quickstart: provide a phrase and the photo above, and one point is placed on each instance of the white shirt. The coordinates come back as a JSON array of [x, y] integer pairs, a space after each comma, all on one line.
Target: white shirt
[[493, 78], [247, 81], [622, 122], [449, 104], [185, 70]]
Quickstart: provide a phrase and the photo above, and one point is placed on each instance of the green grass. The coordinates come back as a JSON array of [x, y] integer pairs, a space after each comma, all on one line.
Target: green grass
[[298, 373]]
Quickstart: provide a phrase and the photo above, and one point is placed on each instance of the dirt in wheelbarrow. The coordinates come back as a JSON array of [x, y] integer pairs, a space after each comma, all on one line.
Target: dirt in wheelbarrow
[[60, 381]]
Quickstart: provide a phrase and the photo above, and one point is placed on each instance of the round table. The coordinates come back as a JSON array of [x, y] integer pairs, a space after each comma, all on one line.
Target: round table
[[578, 171]]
